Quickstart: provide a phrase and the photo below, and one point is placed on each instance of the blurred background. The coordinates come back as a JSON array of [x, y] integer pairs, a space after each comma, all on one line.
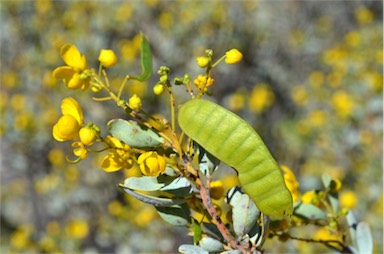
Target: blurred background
[[311, 84]]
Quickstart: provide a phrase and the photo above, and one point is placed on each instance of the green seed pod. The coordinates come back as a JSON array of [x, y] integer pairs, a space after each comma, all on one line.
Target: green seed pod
[[233, 141]]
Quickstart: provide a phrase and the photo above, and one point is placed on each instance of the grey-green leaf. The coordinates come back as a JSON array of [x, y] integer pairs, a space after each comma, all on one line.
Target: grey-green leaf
[[191, 249], [143, 183], [153, 200], [364, 238], [309, 211], [210, 244], [179, 186], [177, 215], [134, 134], [207, 162], [244, 211]]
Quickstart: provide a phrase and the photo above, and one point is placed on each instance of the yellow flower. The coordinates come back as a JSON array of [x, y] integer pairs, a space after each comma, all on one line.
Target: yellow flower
[[342, 103], [233, 56], [77, 229], [75, 73], [291, 182], [216, 189], [202, 81], [261, 97], [364, 15], [119, 156], [87, 135], [309, 197], [151, 164], [135, 102], [348, 199], [107, 58], [69, 124], [326, 234], [80, 150], [203, 61]]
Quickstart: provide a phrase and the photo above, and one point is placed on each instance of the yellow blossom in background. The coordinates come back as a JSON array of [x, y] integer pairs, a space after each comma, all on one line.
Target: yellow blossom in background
[[316, 79], [342, 103], [69, 124], [216, 189], [299, 95], [233, 56], [348, 199], [135, 102], [236, 101], [119, 156], [56, 157], [53, 228], [77, 229], [291, 182], [47, 243], [317, 118], [261, 97], [203, 81], [144, 216], [115, 208], [151, 164], [352, 39], [364, 15], [326, 234], [107, 58], [21, 238], [75, 73]]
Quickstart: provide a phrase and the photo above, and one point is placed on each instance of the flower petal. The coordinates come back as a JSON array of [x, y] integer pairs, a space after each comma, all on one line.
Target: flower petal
[[73, 58], [63, 72], [66, 128], [75, 82], [70, 106]]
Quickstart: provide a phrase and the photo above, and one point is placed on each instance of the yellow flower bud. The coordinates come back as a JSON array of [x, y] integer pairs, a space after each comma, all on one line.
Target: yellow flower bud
[[151, 164], [233, 56], [107, 58], [87, 135], [158, 89], [203, 61], [135, 102]]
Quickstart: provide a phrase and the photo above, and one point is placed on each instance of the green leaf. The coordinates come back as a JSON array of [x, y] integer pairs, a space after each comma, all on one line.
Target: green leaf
[[309, 211], [207, 162], [196, 231], [210, 244], [145, 59], [177, 215], [244, 211], [134, 134], [191, 249], [153, 200], [364, 238]]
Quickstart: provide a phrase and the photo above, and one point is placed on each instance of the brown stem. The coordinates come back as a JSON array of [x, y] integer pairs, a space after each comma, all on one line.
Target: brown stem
[[207, 201]]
